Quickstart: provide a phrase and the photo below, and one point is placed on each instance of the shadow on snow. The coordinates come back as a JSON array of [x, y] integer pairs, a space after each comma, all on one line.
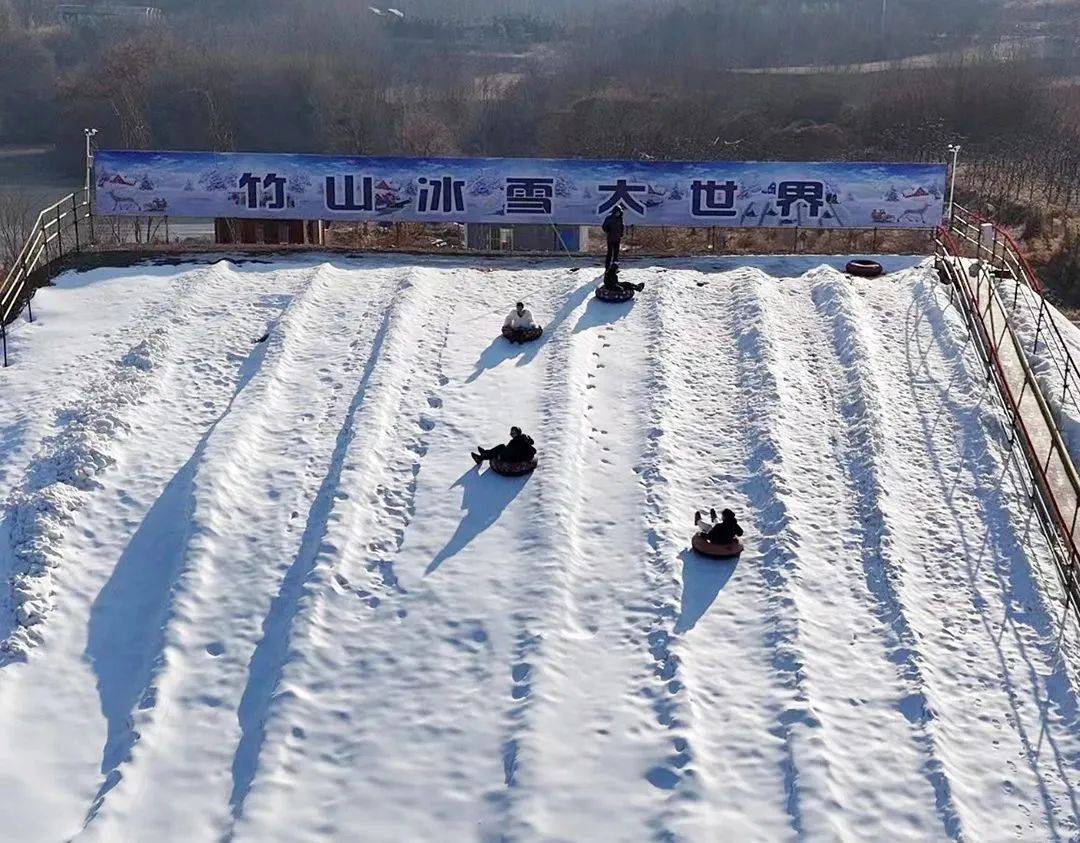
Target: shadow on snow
[[485, 497], [703, 580], [128, 618]]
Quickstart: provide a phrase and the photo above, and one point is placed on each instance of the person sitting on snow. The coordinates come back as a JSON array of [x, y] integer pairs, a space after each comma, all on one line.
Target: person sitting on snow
[[724, 531], [520, 448], [520, 319], [612, 282]]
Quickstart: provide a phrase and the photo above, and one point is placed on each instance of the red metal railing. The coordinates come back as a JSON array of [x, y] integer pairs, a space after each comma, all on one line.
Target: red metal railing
[[996, 247], [1055, 484]]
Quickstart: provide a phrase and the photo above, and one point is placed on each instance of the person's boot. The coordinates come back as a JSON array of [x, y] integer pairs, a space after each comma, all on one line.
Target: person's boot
[[697, 518], [712, 514], [477, 458], [639, 287]]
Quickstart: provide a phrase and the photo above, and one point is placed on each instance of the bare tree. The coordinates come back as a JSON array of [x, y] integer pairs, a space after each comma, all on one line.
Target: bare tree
[[123, 80], [424, 134], [17, 213], [352, 111]]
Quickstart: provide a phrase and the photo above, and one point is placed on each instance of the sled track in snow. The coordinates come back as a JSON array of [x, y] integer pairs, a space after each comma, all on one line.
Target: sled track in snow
[[861, 426], [67, 466], [191, 579], [779, 557], [326, 567], [688, 464], [549, 590], [288, 608], [347, 556], [1034, 622]]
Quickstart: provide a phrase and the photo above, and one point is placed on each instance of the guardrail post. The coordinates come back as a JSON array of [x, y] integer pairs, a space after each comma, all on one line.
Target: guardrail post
[[59, 235], [1038, 325], [75, 220], [26, 294], [3, 338], [26, 286], [90, 216], [44, 242]]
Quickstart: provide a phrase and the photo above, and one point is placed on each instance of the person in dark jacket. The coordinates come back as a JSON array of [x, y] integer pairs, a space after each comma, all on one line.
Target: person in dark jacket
[[724, 531], [613, 227], [612, 282], [520, 448]]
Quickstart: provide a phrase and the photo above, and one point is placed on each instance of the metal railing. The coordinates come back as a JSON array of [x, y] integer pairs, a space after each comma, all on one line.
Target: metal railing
[[1055, 485], [60, 229], [994, 246]]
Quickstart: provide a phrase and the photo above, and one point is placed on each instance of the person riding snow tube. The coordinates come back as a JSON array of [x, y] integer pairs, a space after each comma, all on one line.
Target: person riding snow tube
[[718, 539], [614, 290], [513, 459], [519, 325]]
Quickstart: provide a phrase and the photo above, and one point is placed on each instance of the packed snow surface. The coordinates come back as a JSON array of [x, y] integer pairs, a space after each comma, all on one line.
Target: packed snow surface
[[257, 590]]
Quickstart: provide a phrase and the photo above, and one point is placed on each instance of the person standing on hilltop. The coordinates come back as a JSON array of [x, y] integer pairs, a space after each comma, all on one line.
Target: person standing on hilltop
[[613, 228]]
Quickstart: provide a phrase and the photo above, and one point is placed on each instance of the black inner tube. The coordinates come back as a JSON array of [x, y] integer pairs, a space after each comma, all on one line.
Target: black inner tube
[[867, 268]]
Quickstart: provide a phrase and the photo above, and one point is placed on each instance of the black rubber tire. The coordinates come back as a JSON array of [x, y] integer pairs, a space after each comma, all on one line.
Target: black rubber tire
[[864, 268], [611, 296], [514, 469], [519, 335], [716, 551]]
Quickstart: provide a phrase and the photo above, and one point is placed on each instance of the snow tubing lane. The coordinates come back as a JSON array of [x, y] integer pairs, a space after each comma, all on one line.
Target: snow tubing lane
[[523, 335], [864, 268], [607, 294], [716, 551], [514, 469]]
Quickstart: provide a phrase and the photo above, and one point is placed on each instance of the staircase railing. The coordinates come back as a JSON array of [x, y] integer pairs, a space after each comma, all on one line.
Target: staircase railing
[[1055, 484], [60, 229]]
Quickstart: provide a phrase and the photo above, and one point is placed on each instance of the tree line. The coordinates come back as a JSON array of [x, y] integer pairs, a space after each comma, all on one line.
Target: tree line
[[665, 79]]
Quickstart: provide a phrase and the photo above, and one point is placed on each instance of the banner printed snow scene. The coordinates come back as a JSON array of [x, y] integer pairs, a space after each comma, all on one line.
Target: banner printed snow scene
[[519, 190]]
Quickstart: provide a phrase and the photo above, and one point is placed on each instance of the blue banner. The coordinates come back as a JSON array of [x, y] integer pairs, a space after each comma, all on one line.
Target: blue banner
[[519, 190]]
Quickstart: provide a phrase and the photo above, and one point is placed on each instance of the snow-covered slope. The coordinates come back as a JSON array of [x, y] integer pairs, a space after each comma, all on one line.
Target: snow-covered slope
[[272, 599]]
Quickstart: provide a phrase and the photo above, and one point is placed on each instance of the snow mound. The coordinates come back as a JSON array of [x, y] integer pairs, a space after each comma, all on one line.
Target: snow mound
[[146, 353], [59, 479]]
